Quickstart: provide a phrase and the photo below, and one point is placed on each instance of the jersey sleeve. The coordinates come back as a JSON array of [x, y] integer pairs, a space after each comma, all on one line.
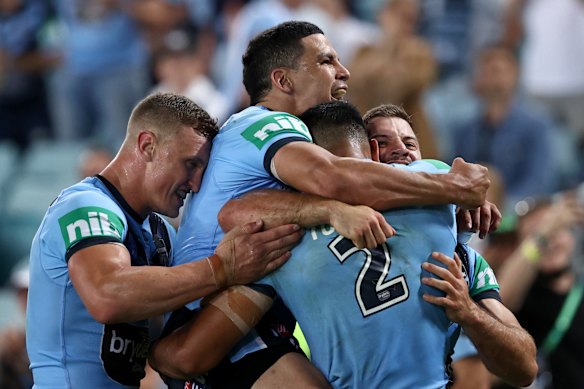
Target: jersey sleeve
[[483, 283], [244, 152], [77, 219], [425, 166], [84, 219]]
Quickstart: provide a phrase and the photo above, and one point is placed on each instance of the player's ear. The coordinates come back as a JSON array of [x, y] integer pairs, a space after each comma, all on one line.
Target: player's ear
[[374, 146], [281, 80], [146, 143]]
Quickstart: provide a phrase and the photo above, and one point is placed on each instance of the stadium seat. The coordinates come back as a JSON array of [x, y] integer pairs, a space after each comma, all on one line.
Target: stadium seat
[[9, 160], [50, 160]]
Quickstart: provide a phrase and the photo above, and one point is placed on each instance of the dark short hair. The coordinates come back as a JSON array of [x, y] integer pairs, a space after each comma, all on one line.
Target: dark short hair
[[276, 47], [334, 122], [387, 111], [167, 112]]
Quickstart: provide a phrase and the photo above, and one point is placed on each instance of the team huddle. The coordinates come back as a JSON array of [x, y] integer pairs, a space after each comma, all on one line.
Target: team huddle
[[298, 210]]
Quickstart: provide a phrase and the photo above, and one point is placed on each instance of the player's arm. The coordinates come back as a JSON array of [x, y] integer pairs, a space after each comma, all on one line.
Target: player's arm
[[312, 169], [506, 349], [114, 291], [210, 334], [363, 225]]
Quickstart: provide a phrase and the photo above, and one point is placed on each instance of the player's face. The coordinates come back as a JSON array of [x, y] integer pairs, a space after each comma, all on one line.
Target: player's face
[[320, 76], [396, 139], [179, 169]]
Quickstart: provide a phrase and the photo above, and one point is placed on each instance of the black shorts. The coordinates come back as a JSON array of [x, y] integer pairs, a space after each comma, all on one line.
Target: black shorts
[[275, 329], [245, 372]]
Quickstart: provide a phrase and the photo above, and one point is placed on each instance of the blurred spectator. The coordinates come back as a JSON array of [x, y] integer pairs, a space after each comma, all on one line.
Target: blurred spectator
[[23, 109], [541, 282], [506, 133], [396, 69], [457, 29], [106, 70], [252, 18], [346, 32], [180, 67], [14, 371], [550, 36], [156, 18]]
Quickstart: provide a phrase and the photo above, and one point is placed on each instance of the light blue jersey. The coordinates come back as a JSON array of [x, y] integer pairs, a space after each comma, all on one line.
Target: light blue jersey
[[66, 346], [362, 311], [240, 162]]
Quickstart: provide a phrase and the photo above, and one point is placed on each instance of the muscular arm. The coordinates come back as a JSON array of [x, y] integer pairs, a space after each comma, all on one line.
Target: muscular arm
[[276, 207], [364, 226], [312, 169], [506, 349], [199, 345], [114, 291]]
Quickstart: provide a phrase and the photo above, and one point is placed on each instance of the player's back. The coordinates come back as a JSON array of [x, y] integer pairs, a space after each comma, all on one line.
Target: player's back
[[362, 311]]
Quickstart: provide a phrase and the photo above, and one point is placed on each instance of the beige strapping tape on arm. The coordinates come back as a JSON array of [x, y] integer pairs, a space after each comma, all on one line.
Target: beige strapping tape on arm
[[242, 305]]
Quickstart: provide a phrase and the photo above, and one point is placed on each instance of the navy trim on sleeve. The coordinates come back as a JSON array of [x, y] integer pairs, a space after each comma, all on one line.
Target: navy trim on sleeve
[[88, 242], [273, 149], [488, 294]]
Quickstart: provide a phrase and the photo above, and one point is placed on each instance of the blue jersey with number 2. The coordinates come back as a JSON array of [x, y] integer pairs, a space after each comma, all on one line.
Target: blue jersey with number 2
[[362, 310]]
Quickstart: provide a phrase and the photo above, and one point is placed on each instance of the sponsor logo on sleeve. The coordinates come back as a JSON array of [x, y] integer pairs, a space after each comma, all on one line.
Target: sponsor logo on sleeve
[[265, 129], [89, 222], [485, 278]]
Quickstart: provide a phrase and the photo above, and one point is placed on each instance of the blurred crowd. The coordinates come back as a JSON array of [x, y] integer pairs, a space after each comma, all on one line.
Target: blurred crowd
[[499, 82]]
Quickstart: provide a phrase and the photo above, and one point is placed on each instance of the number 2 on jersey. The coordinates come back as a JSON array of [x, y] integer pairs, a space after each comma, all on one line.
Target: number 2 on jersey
[[372, 291]]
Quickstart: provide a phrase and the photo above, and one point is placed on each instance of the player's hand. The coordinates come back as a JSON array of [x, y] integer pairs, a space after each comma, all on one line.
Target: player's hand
[[458, 305], [472, 181], [484, 219], [364, 226], [248, 253]]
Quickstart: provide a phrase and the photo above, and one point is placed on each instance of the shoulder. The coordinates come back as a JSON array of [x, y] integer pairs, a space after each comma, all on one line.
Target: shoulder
[[261, 127], [269, 124], [426, 166], [85, 194], [85, 210]]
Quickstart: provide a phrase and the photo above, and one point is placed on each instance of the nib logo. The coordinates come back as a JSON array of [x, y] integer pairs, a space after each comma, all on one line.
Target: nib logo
[[90, 222], [265, 129]]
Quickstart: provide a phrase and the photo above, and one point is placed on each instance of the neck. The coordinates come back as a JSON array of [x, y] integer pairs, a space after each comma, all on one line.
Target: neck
[[121, 173], [283, 104]]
